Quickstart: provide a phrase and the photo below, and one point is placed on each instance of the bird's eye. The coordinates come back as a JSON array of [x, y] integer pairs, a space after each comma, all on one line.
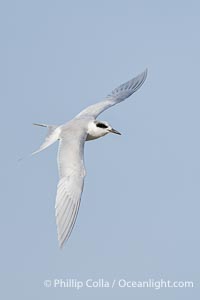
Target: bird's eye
[[101, 125]]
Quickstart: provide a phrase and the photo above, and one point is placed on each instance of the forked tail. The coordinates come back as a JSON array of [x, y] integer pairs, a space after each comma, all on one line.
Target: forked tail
[[53, 135]]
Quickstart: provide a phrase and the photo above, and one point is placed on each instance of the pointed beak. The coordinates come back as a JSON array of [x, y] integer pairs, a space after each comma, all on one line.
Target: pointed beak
[[114, 131]]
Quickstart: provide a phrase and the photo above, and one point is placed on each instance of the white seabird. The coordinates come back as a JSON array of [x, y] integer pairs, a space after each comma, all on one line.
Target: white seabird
[[72, 137]]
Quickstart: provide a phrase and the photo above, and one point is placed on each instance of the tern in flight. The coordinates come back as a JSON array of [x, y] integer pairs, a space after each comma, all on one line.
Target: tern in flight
[[72, 137]]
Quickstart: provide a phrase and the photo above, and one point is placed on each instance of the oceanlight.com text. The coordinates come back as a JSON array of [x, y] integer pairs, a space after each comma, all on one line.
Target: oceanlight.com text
[[73, 283]]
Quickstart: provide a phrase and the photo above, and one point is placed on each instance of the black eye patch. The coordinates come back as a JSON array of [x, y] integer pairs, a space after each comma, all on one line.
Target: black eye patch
[[101, 125]]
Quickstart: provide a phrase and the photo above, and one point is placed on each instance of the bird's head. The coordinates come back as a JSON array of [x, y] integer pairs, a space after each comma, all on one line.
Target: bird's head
[[97, 129]]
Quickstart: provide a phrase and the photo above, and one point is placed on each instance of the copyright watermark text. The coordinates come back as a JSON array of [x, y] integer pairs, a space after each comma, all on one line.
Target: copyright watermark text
[[116, 283]]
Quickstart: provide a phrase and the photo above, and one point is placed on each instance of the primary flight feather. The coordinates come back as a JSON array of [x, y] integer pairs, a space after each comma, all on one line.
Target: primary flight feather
[[72, 137]]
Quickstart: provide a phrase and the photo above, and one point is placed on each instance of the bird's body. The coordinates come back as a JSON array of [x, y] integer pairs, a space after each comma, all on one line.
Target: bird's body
[[72, 137]]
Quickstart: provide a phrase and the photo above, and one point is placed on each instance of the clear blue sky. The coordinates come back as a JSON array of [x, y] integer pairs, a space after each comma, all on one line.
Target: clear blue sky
[[139, 215]]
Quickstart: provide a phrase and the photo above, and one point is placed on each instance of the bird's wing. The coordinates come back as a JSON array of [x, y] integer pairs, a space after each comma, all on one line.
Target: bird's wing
[[117, 95], [70, 186]]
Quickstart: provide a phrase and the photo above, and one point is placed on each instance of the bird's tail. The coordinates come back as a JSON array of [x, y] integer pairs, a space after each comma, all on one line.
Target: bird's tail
[[52, 136]]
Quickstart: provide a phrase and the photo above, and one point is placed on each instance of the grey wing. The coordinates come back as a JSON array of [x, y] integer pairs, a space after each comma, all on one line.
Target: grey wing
[[70, 186], [117, 95]]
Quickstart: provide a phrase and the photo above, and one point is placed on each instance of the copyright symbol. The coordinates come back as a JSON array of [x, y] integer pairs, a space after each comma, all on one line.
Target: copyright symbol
[[47, 283]]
